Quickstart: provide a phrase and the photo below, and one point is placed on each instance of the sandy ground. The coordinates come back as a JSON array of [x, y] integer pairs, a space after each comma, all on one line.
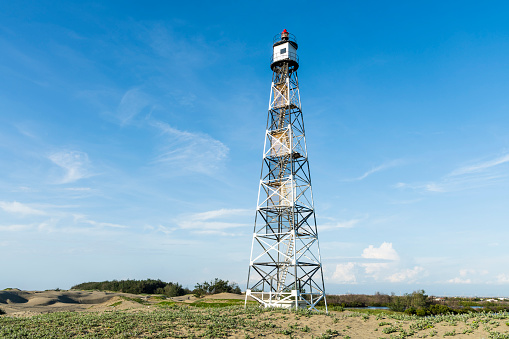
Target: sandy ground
[[16, 302], [346, 324]]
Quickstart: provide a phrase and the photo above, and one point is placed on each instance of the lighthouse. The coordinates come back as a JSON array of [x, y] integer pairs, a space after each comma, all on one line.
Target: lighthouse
[[285, 268]]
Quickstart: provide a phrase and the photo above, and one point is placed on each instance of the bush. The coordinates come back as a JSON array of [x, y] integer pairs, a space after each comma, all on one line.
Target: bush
[[172, 290], [413, 302], [411, 310], [358, 300], [440, 309], [421, 312], [216, 286], [397, 305]]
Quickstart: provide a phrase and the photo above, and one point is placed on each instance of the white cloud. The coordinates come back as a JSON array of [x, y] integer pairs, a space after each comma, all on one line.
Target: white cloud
[[188, 151], [209, 225], [434, 187], [19, 208], [133, 102], [222, 213], [217, 232], [376, 263], [459, 280], [503, 278], [83, 219], [408, 275], [385, 251], [481, 166], [467, 177], [215, 221], [379, 168], [166, 230], [466, 271], [344, 274], [76, 165], [379, 270], [339, 224], [16, 228]]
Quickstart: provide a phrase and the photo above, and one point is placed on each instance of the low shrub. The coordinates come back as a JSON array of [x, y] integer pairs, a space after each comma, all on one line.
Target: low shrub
[[216, 286], [411, 310], [440, 309], [421, 312]]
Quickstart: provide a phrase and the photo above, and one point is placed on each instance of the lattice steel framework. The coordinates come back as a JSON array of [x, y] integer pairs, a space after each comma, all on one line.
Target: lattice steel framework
[[285, 268]]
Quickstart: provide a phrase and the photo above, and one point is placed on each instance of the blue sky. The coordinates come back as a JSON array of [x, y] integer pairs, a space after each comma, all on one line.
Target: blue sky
[[131, 140]]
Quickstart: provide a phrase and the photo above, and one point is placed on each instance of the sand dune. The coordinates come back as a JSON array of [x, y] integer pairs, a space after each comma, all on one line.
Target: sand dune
[[35, 302], [17, 302]]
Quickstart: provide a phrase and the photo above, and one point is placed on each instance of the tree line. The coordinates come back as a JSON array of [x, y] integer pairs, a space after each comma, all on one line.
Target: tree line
[[169, 289], [417, 302]]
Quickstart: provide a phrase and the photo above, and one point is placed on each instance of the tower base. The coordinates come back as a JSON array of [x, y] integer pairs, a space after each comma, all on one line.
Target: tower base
[[292, 299]]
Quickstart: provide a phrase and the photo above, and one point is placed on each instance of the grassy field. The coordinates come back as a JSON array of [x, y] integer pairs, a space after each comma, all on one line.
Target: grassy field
[[222, 319]]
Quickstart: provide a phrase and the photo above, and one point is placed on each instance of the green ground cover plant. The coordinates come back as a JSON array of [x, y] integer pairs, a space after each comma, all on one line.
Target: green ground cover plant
[[176, 322], [221, 303], [226, 317]]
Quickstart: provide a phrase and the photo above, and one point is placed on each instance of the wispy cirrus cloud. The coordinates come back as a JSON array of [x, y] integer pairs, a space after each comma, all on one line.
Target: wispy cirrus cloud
[[478, 174], [83, 219], [133, 102], [187, 151], [481, 166], [75, 164], [378, 168], [19, 208], [331, 225], [16, 227], [215, 222], [221, 213]]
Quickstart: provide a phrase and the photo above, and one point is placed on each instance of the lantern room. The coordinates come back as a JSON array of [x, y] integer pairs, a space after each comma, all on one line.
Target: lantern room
[[284, 50]]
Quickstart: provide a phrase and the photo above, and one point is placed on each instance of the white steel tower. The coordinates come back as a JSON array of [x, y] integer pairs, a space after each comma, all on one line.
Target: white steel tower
[[285, 269]]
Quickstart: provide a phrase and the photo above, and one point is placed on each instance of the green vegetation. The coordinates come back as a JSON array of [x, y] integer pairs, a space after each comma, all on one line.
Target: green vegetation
[[173, 322], [221, 303], [136, 300], [359, 300], [166, 304], [410, 303], [216, 286], [148, 286], [182, 321], [416, 303], [158, 297]]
